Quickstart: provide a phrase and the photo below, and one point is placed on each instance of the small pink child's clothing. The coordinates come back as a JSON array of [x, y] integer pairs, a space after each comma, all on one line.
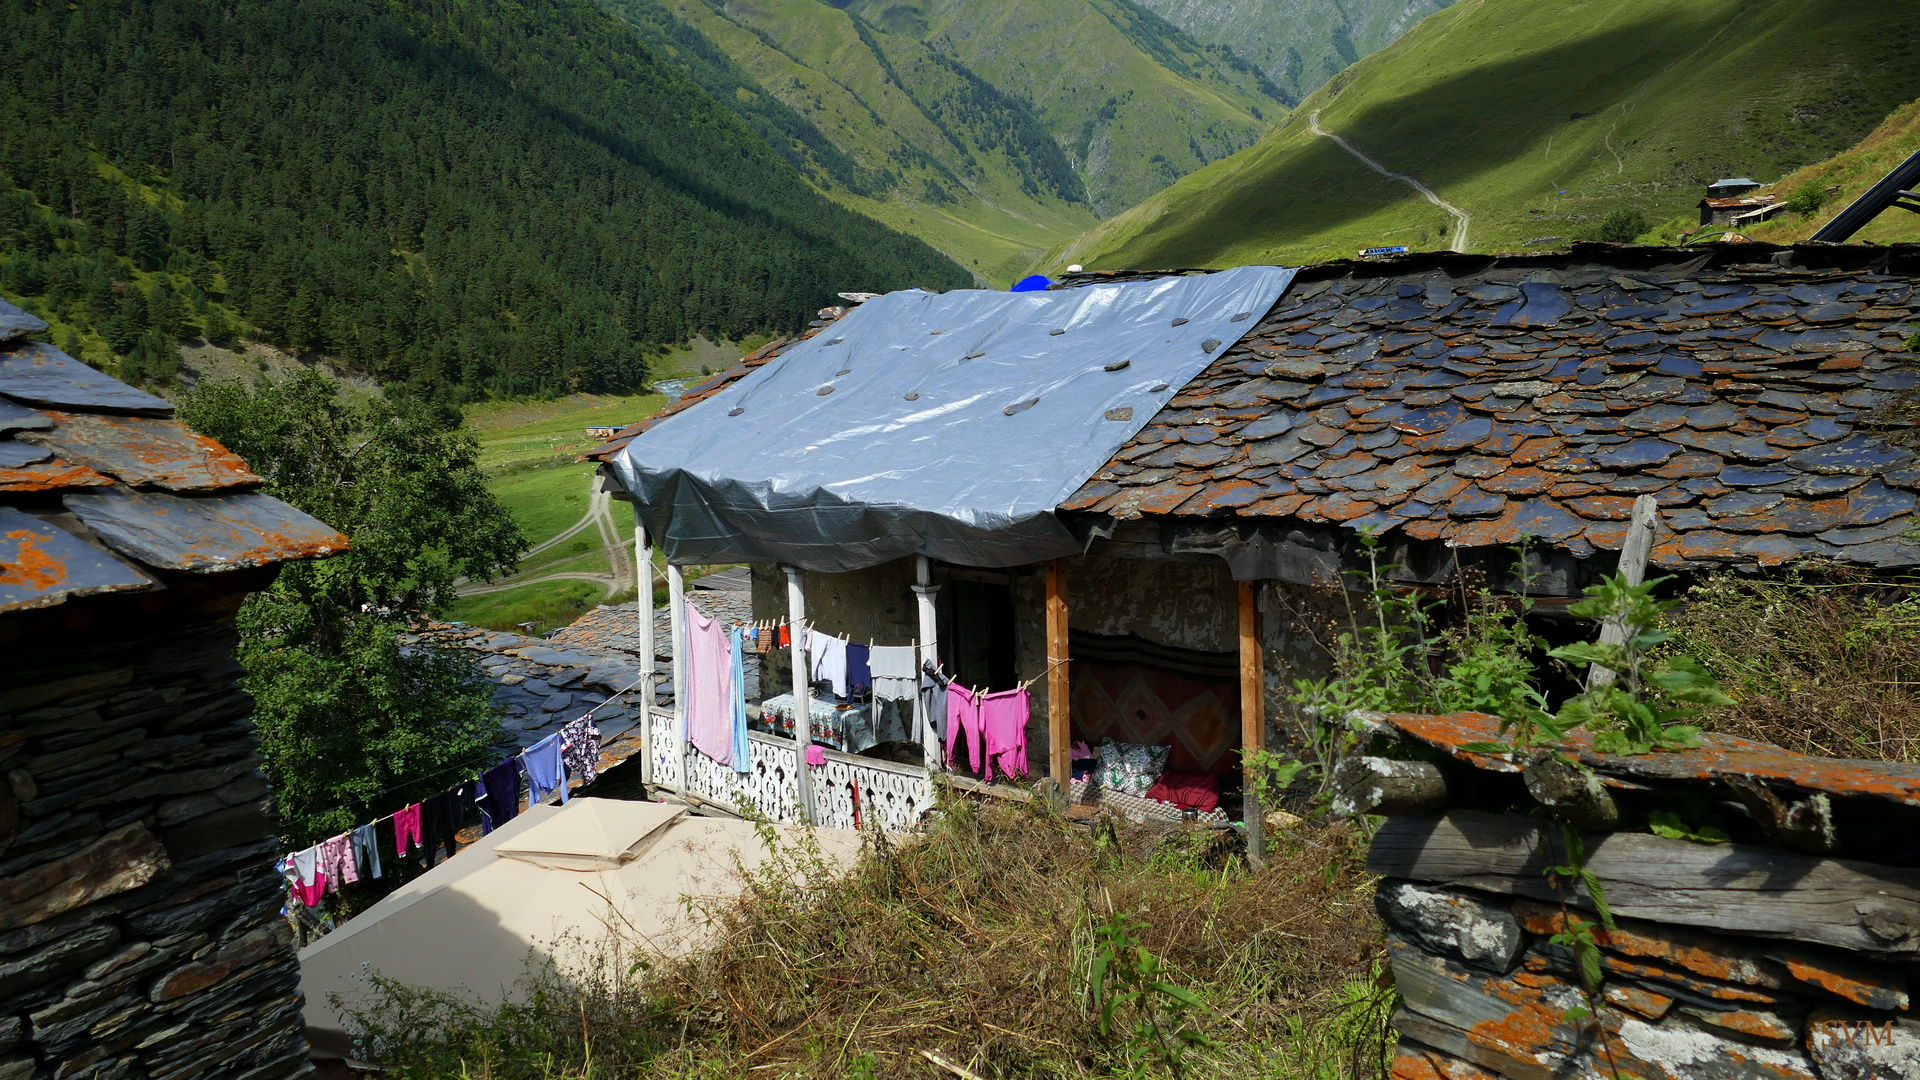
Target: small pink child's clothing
[[310, 894], [963, 726], [1003, 720], [336, 861], [406, 830], [816, 755]]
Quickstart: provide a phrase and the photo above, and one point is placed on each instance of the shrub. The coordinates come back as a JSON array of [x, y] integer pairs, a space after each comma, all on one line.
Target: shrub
[[1827, 666], [1617, 227], [1807, 199]]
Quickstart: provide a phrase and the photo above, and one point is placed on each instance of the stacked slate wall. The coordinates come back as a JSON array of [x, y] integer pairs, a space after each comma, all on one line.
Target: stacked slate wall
[[1732, 961], [140, 933]]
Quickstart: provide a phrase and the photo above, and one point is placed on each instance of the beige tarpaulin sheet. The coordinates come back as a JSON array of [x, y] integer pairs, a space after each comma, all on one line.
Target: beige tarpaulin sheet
[[553, 876]]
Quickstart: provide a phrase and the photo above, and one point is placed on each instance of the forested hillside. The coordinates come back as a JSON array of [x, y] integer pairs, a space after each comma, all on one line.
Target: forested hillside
[[1536, 120], [1297, 44], [469, 195], [1133, 101], [880, 122]]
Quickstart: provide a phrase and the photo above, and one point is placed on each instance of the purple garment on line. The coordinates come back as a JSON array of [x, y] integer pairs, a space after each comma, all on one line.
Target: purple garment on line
[[709, 687], [1003, 720], [963, 726]]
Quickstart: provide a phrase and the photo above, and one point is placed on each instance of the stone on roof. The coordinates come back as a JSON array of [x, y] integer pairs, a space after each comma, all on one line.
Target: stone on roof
[[1470, 400], [101, 492]]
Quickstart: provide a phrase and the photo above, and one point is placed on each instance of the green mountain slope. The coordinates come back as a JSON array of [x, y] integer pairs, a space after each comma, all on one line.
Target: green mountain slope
[[1134, 102], [1845, 177], [1297, 44], [880, 122], [1532, 116], [514, 197]]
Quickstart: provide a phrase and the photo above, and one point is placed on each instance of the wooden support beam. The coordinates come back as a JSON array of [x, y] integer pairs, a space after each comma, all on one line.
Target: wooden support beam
[[1375, 785], [677, 624], [1059, 692], [1754, 891], [1633, 567], [1253, 717], [643, 614], [802, 692]]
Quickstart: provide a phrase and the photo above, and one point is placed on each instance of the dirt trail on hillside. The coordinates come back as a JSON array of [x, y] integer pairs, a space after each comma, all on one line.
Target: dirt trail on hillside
[[1460, 217], [599, 517]]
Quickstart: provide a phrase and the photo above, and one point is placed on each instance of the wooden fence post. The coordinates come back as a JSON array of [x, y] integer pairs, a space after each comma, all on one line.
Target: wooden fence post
[[802, 692], [1633, 567], [643, 614], [1253, 719], [1059, 716], [677, 624]]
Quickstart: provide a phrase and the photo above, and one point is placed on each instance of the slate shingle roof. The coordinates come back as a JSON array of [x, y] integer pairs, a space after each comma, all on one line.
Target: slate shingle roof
[[102, 492], [1470, 399]]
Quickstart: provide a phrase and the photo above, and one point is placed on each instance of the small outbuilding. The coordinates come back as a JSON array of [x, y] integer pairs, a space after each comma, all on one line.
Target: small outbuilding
[[140, 928]]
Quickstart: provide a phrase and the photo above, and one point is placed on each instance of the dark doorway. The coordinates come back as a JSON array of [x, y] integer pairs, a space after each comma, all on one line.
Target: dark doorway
[[981, 652]]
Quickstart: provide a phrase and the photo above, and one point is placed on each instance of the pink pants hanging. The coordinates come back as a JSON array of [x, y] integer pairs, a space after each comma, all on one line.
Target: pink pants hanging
[[963, 726], [406, 830]]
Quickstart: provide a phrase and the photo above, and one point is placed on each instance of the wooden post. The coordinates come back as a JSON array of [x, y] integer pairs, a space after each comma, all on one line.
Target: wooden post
[[1633, 567], [924, 592], [1253, 717], [677, 623], [1059, 716], [802, 693], [643, 614]]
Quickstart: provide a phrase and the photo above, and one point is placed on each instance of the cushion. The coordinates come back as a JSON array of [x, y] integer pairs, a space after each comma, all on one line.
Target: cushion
[[1188, 791], [1131, 768]]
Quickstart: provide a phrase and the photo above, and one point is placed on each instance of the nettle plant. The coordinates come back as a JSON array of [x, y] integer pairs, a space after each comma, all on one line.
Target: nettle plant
[[1635, 712]]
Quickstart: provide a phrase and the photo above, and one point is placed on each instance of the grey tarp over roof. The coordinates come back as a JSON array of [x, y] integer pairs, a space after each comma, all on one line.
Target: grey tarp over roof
[[943, 424]]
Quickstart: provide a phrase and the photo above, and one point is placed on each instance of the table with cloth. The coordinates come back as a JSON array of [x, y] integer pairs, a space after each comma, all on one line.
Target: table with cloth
[[847, 728]]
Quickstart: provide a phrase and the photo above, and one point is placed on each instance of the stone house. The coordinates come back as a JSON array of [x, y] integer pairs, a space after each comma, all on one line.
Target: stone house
[[140, 933], [1454, 404]]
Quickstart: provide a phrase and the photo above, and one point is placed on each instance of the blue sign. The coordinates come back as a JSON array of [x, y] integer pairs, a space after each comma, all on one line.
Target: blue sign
[[1398, 250]]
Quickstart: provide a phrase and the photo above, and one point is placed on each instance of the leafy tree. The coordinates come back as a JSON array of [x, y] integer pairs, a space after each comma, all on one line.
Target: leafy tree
[[353, 720]]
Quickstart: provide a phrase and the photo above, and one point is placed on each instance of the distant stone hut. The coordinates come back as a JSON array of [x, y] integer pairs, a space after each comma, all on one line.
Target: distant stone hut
[[140, 933]]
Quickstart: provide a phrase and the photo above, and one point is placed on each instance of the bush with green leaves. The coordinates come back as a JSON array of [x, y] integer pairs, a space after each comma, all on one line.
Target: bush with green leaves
[[1617, 227], [353, 722], [1807, 199]]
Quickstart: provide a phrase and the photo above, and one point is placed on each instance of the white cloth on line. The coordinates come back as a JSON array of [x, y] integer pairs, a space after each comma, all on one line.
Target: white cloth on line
[[829, 660]]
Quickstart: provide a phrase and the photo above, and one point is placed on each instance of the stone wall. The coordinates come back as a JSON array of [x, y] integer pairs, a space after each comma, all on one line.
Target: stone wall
[[1772, 933], [140, 933]]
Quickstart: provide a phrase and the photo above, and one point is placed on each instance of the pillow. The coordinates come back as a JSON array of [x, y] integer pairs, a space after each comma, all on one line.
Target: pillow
[[1188, 791], [1130, 768]]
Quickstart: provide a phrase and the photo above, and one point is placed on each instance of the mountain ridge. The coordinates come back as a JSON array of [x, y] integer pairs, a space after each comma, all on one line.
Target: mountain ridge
[[1534, 117]]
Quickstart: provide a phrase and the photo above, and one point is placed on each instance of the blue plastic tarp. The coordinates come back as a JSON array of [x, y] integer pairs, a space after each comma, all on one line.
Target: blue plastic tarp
[[943, 424]]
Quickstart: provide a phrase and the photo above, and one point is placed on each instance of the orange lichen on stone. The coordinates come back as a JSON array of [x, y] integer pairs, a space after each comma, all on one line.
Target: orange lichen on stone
[[1697, 953], [1758, 1025], [55, 475], [1882, 988], [1637, 1000], [29, 566]]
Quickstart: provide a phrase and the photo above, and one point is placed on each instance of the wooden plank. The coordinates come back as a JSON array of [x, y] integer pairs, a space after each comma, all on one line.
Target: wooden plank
[[1059, 692], [1253, 716], [1376, 785], [925, 592], [1633, 567], [1736, 888]]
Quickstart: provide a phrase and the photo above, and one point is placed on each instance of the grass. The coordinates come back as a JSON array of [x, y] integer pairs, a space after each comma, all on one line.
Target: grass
[[1853, 171], [1825, 664], [989, 942], [1531, 116], [528, 449]]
